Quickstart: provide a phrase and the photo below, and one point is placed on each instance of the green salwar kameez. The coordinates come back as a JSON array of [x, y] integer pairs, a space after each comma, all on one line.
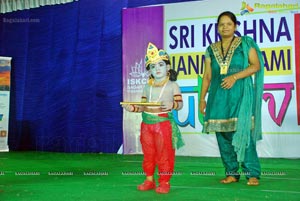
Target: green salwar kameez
[[235, 114]]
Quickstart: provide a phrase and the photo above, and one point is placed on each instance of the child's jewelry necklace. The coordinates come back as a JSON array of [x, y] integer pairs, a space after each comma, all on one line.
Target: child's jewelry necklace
[[159, 84], [161, 92]]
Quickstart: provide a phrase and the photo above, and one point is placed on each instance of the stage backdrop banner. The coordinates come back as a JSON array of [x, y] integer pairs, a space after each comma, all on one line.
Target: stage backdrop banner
[[5, 69], [185, 30]]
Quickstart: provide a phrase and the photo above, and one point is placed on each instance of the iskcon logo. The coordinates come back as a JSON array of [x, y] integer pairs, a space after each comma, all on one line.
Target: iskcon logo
[[246, 8], [138, 70], [138, 77]]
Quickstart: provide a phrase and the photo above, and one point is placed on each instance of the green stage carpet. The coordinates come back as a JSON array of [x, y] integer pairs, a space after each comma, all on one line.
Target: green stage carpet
[[44, 176]]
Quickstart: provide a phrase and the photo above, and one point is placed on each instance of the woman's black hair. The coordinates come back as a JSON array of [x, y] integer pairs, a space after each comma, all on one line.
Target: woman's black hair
[[228, 14]]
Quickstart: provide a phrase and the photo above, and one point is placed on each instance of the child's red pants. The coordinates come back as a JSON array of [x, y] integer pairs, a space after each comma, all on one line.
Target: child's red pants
[[156, 140]]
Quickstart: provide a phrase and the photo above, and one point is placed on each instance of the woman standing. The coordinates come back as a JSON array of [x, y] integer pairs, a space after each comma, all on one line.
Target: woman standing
[[233, 108]]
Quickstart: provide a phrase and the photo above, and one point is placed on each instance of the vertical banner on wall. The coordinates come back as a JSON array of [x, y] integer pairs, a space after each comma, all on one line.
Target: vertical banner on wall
[[135, 76], [5, 69], [188, 29]]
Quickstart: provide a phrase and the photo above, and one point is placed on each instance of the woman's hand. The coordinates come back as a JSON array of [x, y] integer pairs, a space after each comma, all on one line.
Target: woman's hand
[[202, 106], [228, 82]]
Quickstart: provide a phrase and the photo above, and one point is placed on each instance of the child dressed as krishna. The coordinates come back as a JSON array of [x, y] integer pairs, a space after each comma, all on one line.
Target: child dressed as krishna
[[160, 135]]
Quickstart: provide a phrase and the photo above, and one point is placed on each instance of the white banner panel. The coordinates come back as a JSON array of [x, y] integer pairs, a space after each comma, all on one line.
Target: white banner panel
[[188, 30]]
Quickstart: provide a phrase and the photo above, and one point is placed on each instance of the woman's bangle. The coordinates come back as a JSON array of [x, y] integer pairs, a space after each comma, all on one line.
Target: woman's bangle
[[234, 77], [203, 100]]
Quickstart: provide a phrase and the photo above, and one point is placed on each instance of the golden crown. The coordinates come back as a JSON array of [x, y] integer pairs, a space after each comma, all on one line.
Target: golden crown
[[154, 55]]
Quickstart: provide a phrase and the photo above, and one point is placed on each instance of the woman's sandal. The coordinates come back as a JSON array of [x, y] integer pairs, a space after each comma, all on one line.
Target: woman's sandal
[[253, 181], [229, 179]]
